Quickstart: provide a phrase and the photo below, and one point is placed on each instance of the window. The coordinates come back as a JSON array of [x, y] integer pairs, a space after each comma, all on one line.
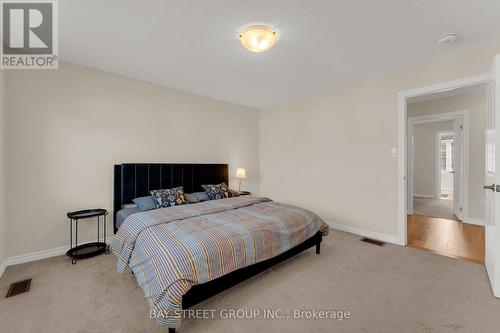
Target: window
[[445, 153]]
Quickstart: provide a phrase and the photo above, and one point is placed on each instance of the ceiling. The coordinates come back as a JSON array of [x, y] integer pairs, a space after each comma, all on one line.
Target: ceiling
[[193, 44]]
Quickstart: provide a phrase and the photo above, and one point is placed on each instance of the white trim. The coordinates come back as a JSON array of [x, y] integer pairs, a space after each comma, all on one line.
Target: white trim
[[447, 86], [402, 138], [471, 220], [3, 265], [437, 166], [402, 183], [34, 256], [437, 117], [462, 166], [38, 255], [410, 165], [427, 196], [365, 233], [463, 182]]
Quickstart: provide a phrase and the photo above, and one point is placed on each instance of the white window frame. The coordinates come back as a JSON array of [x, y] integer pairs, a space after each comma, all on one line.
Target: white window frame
[[439, 134]]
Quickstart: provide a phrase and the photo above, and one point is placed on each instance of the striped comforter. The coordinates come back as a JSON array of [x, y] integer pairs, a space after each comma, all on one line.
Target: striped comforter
[[171, 249]]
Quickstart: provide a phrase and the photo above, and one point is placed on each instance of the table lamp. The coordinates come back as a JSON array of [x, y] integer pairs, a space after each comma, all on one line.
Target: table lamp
[[240, 174]]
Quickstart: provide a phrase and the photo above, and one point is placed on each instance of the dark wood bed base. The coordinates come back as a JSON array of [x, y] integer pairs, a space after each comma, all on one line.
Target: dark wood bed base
[[135, 180], [201, 292]]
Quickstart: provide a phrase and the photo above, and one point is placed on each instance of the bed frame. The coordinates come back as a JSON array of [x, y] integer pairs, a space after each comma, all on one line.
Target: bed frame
[[132, 180], [135, 180]]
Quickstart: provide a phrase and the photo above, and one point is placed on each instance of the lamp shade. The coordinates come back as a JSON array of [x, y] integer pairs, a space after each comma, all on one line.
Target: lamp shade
[[240, 173]]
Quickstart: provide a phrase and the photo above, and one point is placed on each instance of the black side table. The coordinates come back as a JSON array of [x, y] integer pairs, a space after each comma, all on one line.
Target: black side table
[[89, 249]]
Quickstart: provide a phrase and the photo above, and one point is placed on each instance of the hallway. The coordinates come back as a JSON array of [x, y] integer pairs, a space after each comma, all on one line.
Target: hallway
[[446, 237], [441, 208]]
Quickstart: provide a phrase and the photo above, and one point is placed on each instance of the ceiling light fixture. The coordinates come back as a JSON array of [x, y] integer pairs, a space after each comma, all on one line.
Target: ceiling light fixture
[[258, 38], [447, 39]]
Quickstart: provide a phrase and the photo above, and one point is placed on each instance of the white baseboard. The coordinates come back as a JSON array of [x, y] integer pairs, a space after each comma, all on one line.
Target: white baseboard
[[471, 220], [2, 267], [427, 196], [366, 233], [38, 255]]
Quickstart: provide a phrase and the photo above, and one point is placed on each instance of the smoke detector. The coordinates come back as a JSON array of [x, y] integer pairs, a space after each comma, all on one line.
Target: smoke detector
[[447, 39]]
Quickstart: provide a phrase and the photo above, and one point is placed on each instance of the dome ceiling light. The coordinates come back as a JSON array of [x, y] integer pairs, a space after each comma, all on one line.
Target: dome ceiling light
[[258, 38]]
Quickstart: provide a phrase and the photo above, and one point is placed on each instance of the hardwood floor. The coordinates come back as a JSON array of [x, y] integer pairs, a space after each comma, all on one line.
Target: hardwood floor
[[446, 237]]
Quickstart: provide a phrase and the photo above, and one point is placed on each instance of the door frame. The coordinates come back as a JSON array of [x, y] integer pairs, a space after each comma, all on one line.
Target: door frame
[[403, 97], [463, 185]]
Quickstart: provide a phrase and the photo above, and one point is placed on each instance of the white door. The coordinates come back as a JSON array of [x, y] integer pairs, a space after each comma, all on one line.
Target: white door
[[492, 180], [458, 162]]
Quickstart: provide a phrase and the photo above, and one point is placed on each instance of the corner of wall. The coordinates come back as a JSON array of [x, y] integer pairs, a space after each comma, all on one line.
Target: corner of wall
[[2, 173], [259, 137]]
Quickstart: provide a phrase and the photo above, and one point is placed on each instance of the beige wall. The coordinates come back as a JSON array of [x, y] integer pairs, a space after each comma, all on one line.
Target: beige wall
[[330, 152], [424, 158], [2, 185], [476, 104], [66, 128]]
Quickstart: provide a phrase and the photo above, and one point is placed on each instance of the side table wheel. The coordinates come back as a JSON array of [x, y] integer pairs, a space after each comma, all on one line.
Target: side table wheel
[[73, 261], [106, 251]]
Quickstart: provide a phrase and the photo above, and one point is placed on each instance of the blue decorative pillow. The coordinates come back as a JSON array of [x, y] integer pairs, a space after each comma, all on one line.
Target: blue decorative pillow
[[191, 198], [145, 203], [170, 197], [219, 191], [206, 188], [201, 196]]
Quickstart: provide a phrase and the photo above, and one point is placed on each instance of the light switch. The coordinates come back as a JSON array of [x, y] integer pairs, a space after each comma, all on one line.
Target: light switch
[[394, 152]]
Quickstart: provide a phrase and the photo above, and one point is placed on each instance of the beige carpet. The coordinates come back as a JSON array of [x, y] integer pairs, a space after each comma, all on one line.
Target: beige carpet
[[387, 289], [434, 207]]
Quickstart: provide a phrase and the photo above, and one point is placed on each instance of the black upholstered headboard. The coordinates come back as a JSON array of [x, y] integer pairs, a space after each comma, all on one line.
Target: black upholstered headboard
[[133, 180]]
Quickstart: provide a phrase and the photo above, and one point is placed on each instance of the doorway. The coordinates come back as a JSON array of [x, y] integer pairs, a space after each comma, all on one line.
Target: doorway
[[444, 197], [491, 178], [438, 155]]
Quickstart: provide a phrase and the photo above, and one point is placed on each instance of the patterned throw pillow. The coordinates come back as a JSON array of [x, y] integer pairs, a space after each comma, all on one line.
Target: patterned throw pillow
[[219, 191], [170, 197]]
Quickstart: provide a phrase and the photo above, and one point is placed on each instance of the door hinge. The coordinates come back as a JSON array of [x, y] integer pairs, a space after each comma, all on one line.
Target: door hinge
[[461, 127], [461, 208]]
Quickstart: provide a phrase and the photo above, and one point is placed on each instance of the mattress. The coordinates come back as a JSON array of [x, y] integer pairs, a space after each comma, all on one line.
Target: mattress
[[124, 213]]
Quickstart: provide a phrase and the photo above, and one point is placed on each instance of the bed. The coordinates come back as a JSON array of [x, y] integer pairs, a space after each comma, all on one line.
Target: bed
[[185, 254]]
